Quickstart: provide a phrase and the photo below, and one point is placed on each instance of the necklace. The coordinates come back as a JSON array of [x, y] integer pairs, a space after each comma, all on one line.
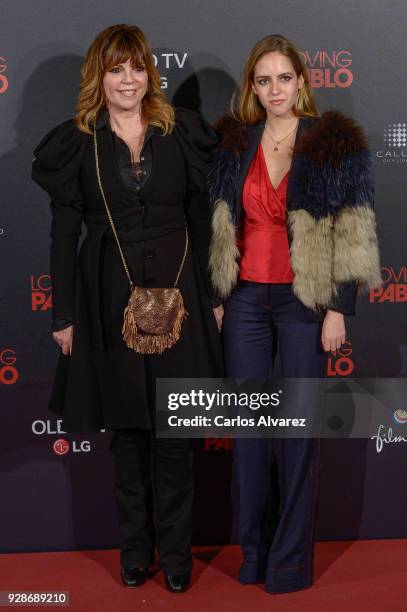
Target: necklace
[[136, 166], [277, 143]]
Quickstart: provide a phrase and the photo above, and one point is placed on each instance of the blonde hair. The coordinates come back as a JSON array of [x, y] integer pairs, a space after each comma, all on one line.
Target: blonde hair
[[249, 108], [115, 45]]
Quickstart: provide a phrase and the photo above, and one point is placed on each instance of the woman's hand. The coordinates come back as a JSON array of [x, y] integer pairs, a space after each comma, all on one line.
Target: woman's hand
[[64, 339], [333, 330], [218, 312]]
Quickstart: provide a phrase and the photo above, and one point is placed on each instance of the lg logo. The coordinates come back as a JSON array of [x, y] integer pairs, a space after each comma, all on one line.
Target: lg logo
[[61, 446]]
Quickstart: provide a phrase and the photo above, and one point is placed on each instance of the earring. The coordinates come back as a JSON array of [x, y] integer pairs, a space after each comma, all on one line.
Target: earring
[[297, 99]]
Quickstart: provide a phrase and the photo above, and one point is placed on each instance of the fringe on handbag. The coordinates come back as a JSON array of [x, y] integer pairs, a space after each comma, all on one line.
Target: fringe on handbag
[[153, 319], [153, 316]]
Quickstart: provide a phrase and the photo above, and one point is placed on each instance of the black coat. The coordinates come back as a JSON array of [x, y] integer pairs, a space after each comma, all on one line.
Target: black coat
[[104, 384]]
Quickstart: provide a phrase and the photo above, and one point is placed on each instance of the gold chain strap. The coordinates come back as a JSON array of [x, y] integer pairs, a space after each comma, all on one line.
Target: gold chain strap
[[113, 225]]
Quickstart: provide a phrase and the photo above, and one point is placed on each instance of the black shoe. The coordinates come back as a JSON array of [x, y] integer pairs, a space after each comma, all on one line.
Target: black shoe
[[134, 576], [178, 583]]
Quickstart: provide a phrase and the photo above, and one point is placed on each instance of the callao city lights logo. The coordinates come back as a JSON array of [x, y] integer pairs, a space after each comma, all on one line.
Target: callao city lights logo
[[329, 69], [3, 77], [60, 446], [41, 292], [394, 150], [394, 287], [340, 362], [8, 371]]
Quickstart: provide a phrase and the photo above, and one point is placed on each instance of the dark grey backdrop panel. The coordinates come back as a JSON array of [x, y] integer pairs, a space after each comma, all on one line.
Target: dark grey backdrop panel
[[56, 489]]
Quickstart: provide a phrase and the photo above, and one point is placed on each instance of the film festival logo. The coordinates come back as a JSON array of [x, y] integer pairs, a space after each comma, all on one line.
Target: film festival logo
[[395, 144], [382, 437], [8, 372], [340, 362], [329, 69], [169, 61], [60, 446], [394, 287], [3, 78], [41, 292]]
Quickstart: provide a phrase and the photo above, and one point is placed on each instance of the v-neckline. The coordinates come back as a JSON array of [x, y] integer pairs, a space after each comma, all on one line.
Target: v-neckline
[[267, 171], [121, 180]]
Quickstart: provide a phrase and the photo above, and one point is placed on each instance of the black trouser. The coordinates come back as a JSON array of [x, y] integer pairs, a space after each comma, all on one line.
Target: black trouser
[[154, 493]]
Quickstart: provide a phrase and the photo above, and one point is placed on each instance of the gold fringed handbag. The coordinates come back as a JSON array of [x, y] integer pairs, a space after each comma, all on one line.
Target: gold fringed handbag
[[153, 317]]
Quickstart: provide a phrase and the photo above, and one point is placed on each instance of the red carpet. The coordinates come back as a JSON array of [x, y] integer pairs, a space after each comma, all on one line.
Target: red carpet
[[367, 576]]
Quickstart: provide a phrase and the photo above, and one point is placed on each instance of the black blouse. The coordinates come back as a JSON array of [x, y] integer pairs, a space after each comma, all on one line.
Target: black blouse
[[135, 176]]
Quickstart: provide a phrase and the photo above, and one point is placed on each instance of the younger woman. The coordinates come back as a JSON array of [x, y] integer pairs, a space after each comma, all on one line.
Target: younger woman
[[293, 239]]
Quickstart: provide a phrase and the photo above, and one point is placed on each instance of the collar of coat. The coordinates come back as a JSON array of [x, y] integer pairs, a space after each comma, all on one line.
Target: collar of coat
[[327, 138], [330, 220], [325, 149]]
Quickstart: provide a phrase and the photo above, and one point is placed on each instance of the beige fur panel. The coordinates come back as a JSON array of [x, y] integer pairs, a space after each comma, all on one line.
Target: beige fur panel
[[356, 251], [223, 253], [311, 258]]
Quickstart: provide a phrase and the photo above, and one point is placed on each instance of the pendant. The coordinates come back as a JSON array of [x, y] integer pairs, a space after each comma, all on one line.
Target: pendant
[[275, 149]]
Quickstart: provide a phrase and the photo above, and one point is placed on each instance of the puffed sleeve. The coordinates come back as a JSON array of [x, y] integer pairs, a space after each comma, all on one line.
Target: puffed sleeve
[[55, 168], [198, 142]]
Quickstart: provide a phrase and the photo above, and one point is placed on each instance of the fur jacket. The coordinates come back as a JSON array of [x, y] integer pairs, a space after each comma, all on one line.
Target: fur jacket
[[329, 212]]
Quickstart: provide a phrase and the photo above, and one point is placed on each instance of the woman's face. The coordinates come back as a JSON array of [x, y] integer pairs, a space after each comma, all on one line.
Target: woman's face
[[276, 84], [125, 86]]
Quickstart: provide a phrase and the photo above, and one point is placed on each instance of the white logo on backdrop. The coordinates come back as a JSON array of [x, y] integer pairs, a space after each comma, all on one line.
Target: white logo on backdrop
[[60, 446], [395, 134], [395, 142], [400, 417], [169, 61]]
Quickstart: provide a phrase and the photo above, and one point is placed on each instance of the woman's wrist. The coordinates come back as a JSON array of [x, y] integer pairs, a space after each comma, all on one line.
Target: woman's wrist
[[335, 313]]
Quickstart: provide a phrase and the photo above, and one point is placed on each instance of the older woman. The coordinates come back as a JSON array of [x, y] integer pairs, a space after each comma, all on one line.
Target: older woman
[[294, 238], [129, 156]]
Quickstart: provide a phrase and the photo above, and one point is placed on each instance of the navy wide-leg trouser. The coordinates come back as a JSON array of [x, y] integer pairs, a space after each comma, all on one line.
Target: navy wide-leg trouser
[[277, 506]]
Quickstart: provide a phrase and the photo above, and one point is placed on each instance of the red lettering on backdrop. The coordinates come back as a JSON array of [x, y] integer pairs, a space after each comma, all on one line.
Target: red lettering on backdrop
[[329, 69], [218, 444], [41, 296], [3, 78], [339, 362], [389, 274], [329, 79], [8, 372], [393, 291]]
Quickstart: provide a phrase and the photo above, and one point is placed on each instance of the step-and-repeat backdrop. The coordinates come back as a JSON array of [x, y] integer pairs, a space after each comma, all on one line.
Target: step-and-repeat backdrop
[[56, 489]]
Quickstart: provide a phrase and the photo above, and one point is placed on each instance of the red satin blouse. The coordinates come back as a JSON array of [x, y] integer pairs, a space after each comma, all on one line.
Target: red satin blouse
[[263, 242]]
